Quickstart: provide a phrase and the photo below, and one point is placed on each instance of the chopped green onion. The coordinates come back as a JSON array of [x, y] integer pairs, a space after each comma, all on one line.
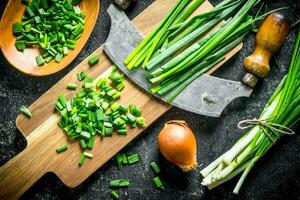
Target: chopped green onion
[[158, 183], [58, 105], [72, 86], [85, 135], [115, 195], [155, 167], [37, 19], [112, 92], [116, 79], [116, 96], [119, 183], [25, 111], [115, 106], [131, 118], [40, 61], [88, 85], [108, 124], [141, 122], [133, 125], [93, 60], [69, 41], [62, 148], [58, 57], [134, 110], [122, 131], [81, 159], [20, 45], [71, 46], [133, 158], [29, 11], [65, 51], [123, 109], [82, 144], [17, 27], [119, 160], [81, 76], [120, 86], [105, 105], [62, 100], [48, 59], [91, 141], [88, 155], [108, 131], [124, 158]]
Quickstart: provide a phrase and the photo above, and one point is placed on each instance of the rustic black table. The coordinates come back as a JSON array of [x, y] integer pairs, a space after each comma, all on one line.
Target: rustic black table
[[276, 176]]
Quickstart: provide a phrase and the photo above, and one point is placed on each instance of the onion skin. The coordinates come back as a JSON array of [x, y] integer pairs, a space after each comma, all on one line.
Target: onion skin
[[178, 145]]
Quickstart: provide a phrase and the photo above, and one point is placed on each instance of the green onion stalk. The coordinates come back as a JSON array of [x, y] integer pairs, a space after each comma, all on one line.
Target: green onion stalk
[[185, 28], [280, 115]]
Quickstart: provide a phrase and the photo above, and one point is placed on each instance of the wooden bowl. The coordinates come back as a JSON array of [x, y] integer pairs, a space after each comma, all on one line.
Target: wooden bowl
[[25, 61]]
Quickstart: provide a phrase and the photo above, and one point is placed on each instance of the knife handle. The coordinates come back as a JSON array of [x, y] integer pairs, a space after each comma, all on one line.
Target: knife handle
[[269, 39]]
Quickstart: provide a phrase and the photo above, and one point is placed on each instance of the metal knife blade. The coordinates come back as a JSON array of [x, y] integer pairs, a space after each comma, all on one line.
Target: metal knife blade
[[207, 95]]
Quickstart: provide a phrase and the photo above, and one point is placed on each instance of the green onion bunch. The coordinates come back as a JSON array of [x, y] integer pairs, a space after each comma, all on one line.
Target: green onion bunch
[[179, 50], [94, 110], [53, 26], [281, 113]]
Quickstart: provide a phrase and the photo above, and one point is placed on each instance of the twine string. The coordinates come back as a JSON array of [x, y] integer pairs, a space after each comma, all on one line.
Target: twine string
[[277, 129]]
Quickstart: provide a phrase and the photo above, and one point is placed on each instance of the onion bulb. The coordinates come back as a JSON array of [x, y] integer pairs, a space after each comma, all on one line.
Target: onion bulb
[[178, 145]]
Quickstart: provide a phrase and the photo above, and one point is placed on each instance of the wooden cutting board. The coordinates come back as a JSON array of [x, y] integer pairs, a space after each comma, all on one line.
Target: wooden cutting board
[[44, 136]]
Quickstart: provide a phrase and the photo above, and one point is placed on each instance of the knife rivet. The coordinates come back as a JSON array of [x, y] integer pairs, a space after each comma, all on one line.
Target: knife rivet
[[208, 100]]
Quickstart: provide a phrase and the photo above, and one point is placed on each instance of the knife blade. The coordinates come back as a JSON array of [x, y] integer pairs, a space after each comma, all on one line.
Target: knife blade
[[207, 95]]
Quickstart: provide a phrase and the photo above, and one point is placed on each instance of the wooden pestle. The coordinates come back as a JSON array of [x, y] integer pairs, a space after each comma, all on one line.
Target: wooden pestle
[[269, 39]]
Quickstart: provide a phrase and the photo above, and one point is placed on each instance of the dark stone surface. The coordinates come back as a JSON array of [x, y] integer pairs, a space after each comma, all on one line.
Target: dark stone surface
[[276, 176]]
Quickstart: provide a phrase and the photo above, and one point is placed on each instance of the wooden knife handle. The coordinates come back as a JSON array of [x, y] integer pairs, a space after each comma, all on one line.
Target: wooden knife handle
[[269, 39]]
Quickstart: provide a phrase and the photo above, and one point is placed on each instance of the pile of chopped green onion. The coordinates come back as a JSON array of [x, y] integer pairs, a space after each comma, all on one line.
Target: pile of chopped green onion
[[94, 110], [177, 53], [281, 113], [53, 26]]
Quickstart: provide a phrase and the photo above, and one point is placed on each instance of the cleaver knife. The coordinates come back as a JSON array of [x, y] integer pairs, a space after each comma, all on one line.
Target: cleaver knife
[[207, 95]]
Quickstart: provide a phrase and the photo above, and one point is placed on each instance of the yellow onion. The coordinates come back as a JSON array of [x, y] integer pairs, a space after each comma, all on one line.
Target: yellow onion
[[178, 145]]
